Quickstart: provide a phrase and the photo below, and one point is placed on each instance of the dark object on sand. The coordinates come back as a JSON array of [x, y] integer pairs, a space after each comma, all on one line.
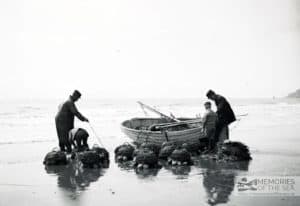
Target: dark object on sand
[[55, 158], [233, 151], [204, 144], [151, 146], [166, 152], [194, 148], [104, 155], [146, 158], [124, 152], [180, 156], [90, 159]]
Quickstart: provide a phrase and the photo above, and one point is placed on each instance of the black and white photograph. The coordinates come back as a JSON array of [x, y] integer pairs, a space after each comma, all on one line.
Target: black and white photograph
[[150, 102]]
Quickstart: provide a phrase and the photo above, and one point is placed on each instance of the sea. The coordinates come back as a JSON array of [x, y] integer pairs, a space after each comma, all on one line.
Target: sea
[[269, 127]]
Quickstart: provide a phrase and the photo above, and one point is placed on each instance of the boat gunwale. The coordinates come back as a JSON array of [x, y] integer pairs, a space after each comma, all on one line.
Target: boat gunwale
[[154, 132]]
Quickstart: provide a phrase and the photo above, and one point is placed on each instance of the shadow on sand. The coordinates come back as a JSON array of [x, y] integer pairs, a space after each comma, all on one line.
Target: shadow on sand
[[219, 178], [73, 178]]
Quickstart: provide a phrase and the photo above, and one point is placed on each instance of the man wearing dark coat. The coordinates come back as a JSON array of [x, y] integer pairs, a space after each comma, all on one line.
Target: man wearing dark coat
[[64, 120], [225, 116]]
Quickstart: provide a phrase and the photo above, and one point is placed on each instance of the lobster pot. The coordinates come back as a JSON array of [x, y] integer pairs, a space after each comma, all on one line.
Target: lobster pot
[[181, 155], [151, 146], [166, 152], [193, 147], [146, 157], [90, 159], [125, 150], [233, 151], [102, 152], [55, 158]]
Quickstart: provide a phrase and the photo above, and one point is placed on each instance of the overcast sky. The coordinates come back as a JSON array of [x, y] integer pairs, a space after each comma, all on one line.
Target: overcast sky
[[149, 48]]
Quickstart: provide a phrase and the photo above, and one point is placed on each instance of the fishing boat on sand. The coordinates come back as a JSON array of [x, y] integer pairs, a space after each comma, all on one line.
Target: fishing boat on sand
[[166, 128]]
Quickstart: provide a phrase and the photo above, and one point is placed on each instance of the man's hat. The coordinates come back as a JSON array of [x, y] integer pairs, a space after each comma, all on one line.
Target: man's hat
[[210, 93], [76, 93]]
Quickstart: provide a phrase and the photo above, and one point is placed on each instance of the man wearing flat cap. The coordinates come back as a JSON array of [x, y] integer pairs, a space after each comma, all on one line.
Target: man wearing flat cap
[[64, 120], [225, 116]]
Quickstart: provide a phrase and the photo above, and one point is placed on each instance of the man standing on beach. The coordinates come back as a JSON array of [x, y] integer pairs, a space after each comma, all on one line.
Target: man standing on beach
[[64, 120], [225, 115]]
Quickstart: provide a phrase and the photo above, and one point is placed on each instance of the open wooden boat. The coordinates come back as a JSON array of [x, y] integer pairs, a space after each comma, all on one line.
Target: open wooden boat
[[138, 130]]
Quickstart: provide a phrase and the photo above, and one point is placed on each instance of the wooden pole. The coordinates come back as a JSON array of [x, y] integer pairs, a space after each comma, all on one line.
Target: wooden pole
[[157, 112]]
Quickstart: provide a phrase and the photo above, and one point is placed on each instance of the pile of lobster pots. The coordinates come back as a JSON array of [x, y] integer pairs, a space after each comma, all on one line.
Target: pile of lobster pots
[[149, 155], [96, 157]]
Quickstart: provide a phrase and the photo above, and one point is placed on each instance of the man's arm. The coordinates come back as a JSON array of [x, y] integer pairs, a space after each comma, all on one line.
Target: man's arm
[[75, 111], [71, 139]]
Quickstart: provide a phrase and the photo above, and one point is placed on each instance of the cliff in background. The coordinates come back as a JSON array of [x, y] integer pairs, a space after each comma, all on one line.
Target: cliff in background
[[295, 94]]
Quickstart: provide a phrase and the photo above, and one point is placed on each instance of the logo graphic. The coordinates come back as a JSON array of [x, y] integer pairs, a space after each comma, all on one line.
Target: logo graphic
[[268, 186], [245, 185]]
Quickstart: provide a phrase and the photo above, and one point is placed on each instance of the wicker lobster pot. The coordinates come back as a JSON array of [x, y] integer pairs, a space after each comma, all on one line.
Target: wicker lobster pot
[[55, 158], [146, 157], [166, 151], [125, 151], [233, 151]]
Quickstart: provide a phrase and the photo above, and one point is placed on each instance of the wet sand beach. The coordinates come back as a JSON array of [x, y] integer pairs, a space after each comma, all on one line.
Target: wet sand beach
[[271, 130]]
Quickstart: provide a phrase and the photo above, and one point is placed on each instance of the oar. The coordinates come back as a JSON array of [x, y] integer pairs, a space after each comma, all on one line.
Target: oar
[[242, 115], [166, 125], [194, 121], [95, 133], [157, 112]]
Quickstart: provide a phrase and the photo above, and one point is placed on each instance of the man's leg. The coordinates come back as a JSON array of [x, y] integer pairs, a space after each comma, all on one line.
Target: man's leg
[[79, 138], [78, 143], [218, 131], [205, 141], [83, 136], [69, 147], [224, 134], [62, 146], [60, 135], [212, 139], [85, 144], [227, 132], [65, 140]]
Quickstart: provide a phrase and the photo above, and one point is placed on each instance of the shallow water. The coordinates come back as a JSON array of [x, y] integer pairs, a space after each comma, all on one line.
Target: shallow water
[[271, 130]]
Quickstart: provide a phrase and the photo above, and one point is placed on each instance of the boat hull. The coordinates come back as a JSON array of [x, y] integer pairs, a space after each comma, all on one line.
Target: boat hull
[[140, 135]]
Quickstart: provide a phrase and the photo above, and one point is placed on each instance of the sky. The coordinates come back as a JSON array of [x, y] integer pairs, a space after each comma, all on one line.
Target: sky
[[149, 49]]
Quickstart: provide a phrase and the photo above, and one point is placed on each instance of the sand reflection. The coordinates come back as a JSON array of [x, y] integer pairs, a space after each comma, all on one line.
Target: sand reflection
[[73, 178], [219, 179]]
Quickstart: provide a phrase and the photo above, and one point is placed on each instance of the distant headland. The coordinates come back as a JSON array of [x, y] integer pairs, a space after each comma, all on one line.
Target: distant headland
[[295, 94]]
